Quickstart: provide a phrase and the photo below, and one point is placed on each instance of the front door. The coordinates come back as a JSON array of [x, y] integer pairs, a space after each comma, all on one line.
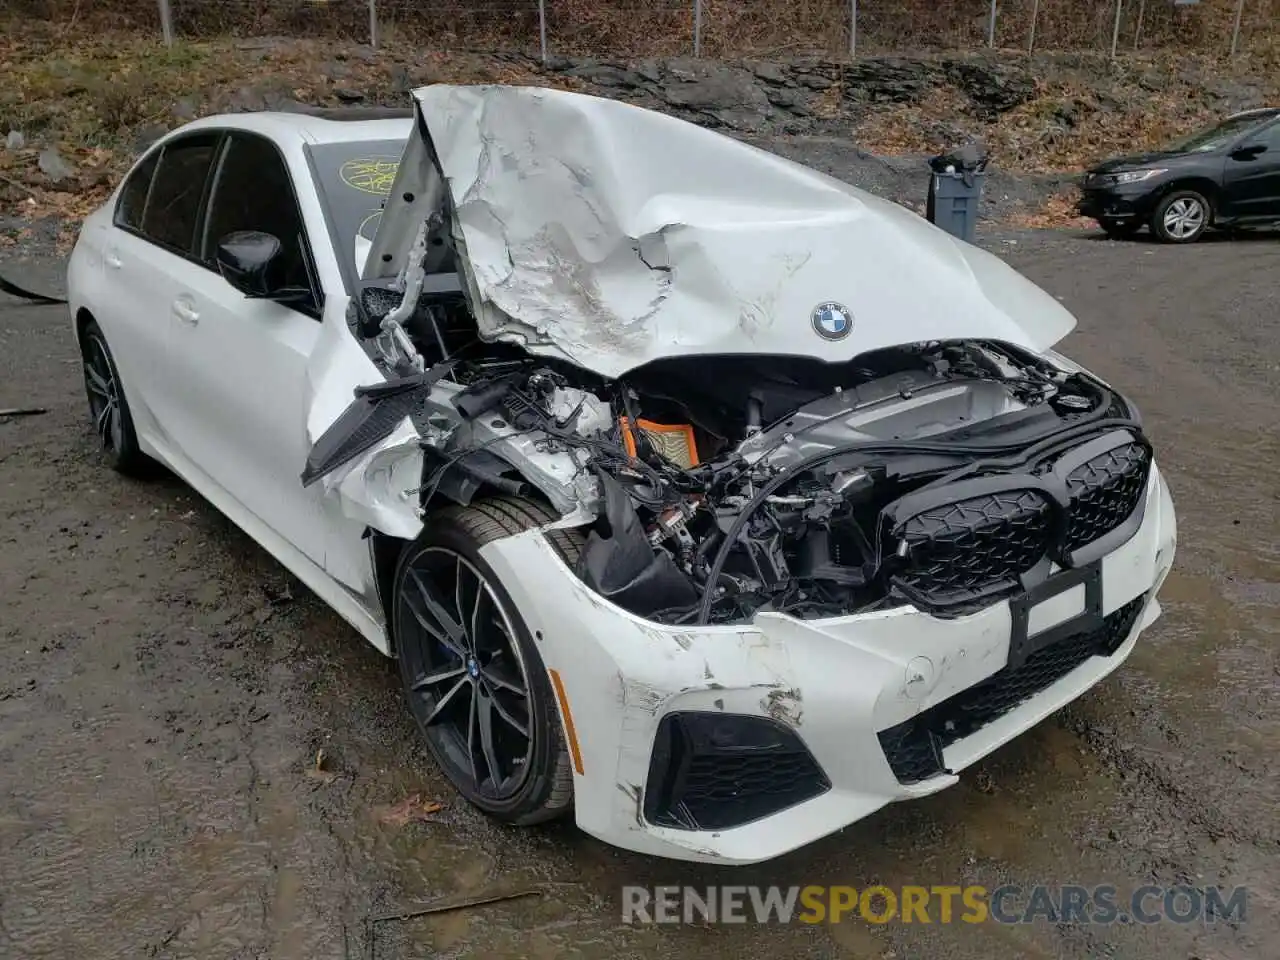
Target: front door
[[243, 363], [1252, 180]]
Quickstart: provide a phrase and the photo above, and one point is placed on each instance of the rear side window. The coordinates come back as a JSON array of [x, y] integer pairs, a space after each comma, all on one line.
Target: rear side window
[[173, 207], [133, 196]]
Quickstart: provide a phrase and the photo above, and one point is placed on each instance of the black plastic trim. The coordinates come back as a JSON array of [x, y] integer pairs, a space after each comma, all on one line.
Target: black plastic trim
[[1078, 457], [906, 508], [914, 748], [1052, 485], [672, 775], [1022, 645], [371, 417], [913, 504]]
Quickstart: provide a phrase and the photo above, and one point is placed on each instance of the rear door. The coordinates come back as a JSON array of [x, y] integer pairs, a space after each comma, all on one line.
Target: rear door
[[243, 363], [148, 249], [1252, 175]]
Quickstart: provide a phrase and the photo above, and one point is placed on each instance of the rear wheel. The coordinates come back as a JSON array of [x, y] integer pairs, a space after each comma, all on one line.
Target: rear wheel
[[1181, 217], [108, 408], [472, 675]]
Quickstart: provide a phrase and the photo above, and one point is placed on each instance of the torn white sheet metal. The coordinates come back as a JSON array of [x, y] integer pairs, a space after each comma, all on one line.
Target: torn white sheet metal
[[612, 236], [379, 487]]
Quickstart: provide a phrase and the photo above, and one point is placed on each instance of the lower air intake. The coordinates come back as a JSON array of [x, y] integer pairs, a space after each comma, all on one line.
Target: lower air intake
[[712, 771], [914, 747]]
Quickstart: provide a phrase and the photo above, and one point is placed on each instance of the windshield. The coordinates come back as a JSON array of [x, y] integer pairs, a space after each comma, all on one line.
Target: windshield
[[1219, 136], [354, 179]]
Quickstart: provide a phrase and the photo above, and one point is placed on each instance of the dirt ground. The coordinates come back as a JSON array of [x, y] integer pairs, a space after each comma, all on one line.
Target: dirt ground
[[165, 688]]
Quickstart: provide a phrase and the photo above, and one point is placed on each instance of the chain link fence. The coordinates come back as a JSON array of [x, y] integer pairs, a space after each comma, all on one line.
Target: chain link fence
[[712, 28]]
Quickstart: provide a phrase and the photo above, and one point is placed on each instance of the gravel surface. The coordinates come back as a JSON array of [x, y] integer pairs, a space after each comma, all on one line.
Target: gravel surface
[[165, 688]]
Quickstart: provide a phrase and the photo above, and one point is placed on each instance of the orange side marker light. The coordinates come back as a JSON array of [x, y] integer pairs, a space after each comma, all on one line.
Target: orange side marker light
[[575, 752]]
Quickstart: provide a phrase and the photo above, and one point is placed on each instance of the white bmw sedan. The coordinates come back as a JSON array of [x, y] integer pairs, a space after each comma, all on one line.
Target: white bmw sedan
[[696, 493]]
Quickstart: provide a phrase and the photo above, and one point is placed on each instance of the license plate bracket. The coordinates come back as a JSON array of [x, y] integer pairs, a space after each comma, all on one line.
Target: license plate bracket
[[1023, 643]]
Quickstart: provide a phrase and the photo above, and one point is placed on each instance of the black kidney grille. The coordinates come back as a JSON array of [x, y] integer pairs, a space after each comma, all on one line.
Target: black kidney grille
[[914, 747], [968, 547], [1105, 491]]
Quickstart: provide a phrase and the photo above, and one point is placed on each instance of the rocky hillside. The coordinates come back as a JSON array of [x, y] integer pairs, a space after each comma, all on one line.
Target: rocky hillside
[[73, 114], [1047, 114]]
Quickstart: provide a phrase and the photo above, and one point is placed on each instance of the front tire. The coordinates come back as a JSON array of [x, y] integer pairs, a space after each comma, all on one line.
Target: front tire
[[1181, 217], [472, 675], [108, 407]]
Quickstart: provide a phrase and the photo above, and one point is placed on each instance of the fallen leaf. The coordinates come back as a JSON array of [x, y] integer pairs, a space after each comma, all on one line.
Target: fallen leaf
[[1057, 212], [412, 809], [319, 772]]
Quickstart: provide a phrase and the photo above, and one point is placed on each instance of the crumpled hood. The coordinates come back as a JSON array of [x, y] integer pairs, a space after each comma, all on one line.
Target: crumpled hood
[[612, 236]]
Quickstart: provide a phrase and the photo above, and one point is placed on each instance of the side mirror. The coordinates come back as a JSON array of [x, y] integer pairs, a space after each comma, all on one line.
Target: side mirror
[[246, 259], [1249, 151]]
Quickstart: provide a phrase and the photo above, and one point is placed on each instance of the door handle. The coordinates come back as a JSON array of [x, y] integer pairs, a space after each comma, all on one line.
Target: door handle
[[185, 310]]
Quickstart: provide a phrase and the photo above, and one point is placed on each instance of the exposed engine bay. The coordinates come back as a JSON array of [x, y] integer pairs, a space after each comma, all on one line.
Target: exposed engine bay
[[710, 488]]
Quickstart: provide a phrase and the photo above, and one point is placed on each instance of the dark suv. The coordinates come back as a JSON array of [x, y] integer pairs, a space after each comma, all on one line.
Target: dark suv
[[1228, 175]]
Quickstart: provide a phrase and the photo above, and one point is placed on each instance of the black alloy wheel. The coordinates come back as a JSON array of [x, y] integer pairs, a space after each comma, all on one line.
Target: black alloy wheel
[[108, 408], [472, 675]]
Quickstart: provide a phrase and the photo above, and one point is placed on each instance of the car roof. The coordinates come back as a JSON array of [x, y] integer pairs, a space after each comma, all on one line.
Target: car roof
[[315, 124]]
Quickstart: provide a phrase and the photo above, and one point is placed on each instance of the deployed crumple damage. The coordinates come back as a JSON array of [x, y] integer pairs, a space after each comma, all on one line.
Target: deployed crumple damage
[[764, 390], [834, 536], [380, 488], [377, 487], [612, 236]]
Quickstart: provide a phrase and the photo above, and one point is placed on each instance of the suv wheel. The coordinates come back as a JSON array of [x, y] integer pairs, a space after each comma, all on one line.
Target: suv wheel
[[1181, 217]]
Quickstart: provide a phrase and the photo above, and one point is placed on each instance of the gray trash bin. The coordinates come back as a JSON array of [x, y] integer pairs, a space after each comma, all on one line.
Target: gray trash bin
[[953, 202]]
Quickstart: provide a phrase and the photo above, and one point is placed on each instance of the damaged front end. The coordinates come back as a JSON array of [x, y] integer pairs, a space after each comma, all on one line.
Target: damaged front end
[[718, 476], [842, 521], [944, 475]]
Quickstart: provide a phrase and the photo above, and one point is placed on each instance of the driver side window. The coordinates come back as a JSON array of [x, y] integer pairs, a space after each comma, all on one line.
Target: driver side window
[[252, 190]]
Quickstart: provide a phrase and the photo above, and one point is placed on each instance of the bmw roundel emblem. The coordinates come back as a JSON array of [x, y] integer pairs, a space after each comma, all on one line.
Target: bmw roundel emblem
[[832, 321]]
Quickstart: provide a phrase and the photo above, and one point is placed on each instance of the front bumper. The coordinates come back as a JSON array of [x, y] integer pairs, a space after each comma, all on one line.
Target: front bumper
[[836, 683], [1126, 203]]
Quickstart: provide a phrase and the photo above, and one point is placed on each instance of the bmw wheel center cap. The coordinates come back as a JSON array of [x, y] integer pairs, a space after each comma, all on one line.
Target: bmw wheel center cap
[[832, 321]]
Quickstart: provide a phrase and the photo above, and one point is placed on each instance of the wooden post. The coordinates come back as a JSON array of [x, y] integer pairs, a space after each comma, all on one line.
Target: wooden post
[[166, 22], [542, 29], [697, 28], [1115, 31], [991, 26], [1235, 33], [1031, 39], [373, 24], [853, 29]]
